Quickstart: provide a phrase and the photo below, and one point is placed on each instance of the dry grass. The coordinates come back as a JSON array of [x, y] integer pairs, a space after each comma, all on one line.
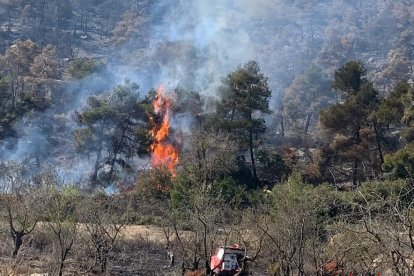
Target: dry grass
[[147, 232], [140, 250]]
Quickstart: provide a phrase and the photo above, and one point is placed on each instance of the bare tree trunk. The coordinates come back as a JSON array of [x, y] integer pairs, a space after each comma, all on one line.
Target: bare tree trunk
[[117, 148], [307, 124], [61, 268], [356, 162], [301, 252], [95, 171], [252, 157], [14, 93], [378, 140], [355, 174], [98, 157], [17, 241], [64, 247], [15, 85]]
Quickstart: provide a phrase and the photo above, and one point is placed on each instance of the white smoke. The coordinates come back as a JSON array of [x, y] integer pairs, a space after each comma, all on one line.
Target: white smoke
[[220, 34], [193, 44]]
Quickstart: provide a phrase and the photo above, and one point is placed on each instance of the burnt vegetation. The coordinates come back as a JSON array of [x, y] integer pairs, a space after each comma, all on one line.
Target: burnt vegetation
[[291, 125]]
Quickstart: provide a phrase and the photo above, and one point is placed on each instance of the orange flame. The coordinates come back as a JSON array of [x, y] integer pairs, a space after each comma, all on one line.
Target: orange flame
[[164, 153]]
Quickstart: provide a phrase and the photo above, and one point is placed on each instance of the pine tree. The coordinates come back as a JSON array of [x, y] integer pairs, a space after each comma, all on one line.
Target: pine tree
[[349, 121], [244, 95], [109, 128]]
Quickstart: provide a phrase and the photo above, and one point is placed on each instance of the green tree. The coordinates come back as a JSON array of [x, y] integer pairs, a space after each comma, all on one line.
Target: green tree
[[391, 109], [5, 95], [16, 63], [349, 121], [295, 226], [27, 82], [390, 126], [306, 96], [209, 157], [401, 163], [109, 128], [244, 96], [273, 167], [81, 68]]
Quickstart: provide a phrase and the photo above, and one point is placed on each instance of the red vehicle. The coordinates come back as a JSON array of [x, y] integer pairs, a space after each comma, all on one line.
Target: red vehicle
[[227, 260]]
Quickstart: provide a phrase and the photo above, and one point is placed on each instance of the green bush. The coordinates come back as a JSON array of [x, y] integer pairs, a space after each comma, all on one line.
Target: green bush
[[83, 67]]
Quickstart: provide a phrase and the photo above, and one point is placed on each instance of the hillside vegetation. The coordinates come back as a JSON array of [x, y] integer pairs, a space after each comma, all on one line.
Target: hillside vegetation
[[284, 126]]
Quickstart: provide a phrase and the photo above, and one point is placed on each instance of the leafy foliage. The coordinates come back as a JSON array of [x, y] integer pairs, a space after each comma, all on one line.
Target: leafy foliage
[[306, 97], [81, 68], [349, 121], [244, 97], [110, 124]]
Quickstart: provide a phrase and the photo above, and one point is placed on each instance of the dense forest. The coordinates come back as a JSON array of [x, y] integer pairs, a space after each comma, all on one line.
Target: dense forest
[[284, 126]]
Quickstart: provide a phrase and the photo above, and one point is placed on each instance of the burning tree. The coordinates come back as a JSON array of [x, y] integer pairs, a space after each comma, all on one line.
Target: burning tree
[[163, 148]]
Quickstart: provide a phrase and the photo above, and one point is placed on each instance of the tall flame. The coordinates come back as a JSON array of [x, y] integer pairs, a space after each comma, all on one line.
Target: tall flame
[[164, 153]]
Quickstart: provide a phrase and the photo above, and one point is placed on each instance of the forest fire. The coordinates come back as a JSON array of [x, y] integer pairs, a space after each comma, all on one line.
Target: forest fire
[[164, 153]]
